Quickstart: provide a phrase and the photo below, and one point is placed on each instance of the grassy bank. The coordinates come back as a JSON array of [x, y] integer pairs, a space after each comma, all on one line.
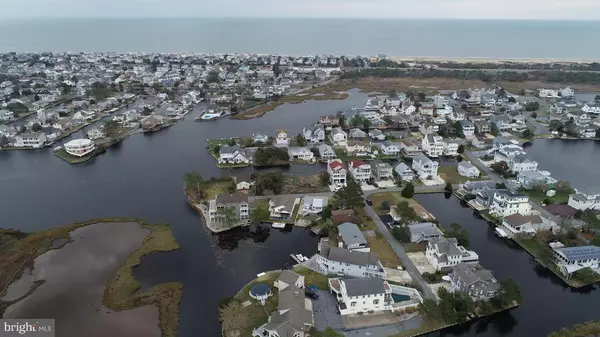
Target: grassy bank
[[312, 278], [450, 175], [121, 290], [62, 154], [580, 330]]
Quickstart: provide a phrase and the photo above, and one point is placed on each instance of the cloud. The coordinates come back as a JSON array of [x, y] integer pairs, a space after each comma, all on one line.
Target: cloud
[[449, 9]]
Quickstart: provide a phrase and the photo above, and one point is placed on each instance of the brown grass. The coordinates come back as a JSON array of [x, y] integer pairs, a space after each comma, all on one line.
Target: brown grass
[[515, 87], [380, 246]]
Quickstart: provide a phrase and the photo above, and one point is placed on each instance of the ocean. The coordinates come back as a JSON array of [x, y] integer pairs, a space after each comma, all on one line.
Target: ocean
[[393, 37]]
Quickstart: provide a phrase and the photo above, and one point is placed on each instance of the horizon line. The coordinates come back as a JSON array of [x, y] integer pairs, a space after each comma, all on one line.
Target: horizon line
[[286, 18]]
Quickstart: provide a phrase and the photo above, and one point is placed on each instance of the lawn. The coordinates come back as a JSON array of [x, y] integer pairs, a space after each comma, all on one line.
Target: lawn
[[312, 278], [212, 189], [450, 175], [380, 246], [591, 219], [561, 197], [413, 247], [62, 154], [393, 198]]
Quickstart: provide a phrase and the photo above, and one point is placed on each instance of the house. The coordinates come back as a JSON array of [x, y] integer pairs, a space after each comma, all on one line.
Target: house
[[472, 187], [337, 172], [467, 169], [301, 153], [429, 128], [572, 259], [35, 140], [357, 134], [281, 207], [340, 216], [6, 115], [96, 133], [485, 197], [479, 142], [63, 124], [313, 205], [404, 172], [525, 224], [482, 127], [567, 93], [326, 152], [591, 109], [314, 134], [243, 182], [338, 136], [451, 147], [444, 253], [351, 238], [282, 139], [329, 120], [468, 128], [502, 122], [260, 138], [358, 148], [376, 134], [425, 231], [548, 93], [507, 203], [361, 296], [237, 201], [344, 262], [588, 198], [360, 170], [427, 108], [587, 133], [293, 316], [522, 163], [433, 146], [233, 155], [7, 131], [475, 281], [383, 171], [530, 179], [410, 148], [425, 167], [389, 149]]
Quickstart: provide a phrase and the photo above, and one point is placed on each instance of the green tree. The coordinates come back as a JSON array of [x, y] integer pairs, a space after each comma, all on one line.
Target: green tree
[[351, 195], [586, 275], [460, 234], [324, 178], [234, 318], [259, 213], [500, 167], [494, 130], [228, 215], [408, 191], [388, 120], [597, 99], [194, 184], [111, 128], [356, 122], [509, 293], [448, 188], [528, 134], [385, 205], [461, 148], [512, 99], [401, 234], [3, 140], [366, 123], [597, 133], [36, 127], [534, 115], [213, 77], [300, 140]]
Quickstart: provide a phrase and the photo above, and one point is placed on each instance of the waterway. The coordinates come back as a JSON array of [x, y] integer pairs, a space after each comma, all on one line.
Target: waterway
[[143, 177], [548, 304]]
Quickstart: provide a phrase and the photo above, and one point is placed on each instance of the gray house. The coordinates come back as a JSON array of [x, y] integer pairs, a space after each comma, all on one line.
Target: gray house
[[357, 134], [350, 237], [326, 152], [383, 171], [425, 231], [474, 280]]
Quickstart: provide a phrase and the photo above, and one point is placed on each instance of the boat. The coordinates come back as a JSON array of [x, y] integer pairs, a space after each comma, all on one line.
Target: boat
[[446, 278], [500, 233], [295, 258], [278, 225]]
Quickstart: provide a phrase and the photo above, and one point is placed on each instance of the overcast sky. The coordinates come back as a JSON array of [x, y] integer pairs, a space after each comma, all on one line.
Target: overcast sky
[[460, 9]]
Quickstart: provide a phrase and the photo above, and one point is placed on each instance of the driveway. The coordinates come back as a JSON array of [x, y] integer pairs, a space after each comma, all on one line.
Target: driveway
[[325, 312]]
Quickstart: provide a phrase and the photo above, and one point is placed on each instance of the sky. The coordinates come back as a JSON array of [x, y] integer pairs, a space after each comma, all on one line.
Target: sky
[[447, 9]]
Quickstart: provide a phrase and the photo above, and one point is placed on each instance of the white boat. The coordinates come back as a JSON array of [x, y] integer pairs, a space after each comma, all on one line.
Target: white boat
[[446, 278], [278, 225], [295, 258], [501, 233]]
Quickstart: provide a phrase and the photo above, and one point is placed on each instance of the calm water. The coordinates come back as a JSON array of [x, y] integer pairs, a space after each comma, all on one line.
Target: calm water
[[548, 304], [576, 161], [402, 37]]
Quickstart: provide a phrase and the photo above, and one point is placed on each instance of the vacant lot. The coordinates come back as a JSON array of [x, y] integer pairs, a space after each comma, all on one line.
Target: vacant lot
[[450, 175], [380, 246], [393, 198]]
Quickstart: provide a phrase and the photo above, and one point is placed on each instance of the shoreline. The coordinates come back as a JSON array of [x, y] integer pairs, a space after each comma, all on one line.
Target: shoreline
[[486, 59]]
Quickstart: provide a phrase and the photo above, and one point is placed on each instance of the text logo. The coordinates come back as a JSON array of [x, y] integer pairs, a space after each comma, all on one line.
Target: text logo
[[27, 327]]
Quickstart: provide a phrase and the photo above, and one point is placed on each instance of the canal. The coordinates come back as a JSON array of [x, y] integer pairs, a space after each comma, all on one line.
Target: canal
[[548, 304]]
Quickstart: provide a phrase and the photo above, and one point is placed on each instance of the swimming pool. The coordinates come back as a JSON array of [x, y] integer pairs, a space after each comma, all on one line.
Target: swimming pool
[[400, 298]]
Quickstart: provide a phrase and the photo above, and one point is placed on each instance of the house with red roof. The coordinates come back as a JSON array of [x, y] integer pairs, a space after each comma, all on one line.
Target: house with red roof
[[337, 172], [360, 170]]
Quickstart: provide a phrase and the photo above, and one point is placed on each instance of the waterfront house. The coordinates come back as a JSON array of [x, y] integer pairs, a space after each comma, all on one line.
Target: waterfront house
[[467, 169], [314, 134], [96, 133], [383, 171], [34, 140], [357, 134], [344, 262], [548, 93], [63, 124], [360, 170], [522, 163], [444, 253], [404, 172], [233, 155], [389, 149], [567, 93], [475, 281], [351, 238], [468, 128], [572, 259], [301, 153], [281, 207], [410, 148], [502, 122], [358, 148], [328, 120], [237, 201], [479, 142], [361, 296], [338, 136], [587, 133], [507, 203], [313, 205], [243, 182], [424, 231], [376, 134], [433, 145], [472, 187], [425, 167], [485, 197], [260, 138], [451, 147], [585, 198], [525, 224], [282, 138], [337, 172], [530, 179], [293, 316], [326, 152], [593, 109]]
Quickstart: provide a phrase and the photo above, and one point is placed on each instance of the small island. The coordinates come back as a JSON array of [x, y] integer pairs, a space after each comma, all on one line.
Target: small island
[[587, 329], [104, 294]]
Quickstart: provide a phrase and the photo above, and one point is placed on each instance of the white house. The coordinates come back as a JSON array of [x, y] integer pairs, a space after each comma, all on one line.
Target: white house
[[301, 153], [404, 172], [433, 146], [351, 238], [326, 152], [522, 163], [233, 155], [96, 133], [376, 134], [35, 140], [358, 148], [525, 224], [410, 148], [425, 167], [337, 172], [281, 207], [425, 231], [549, 93], [6, 115], [314, 134], [80, 147], [506, 203], [360, 170], [451, 148], [313, 205], [282, 138], [338, 136], [567, 93], [389, 149], [344, 262], [361, 296], [445, 253], [467, 169], [585, 199], [572, 259], [468, 128], [591, 109]]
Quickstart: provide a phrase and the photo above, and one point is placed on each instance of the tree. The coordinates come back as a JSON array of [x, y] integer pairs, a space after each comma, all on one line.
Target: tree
[[556, 125], [351, 195], [234, 318], [228, 215], [324, 178], [268, 181], [461, 235], [111, 128], [528, 134], [193, 184], [597, 133], [448, 188], [300, 140], [366, 123], [408, 191], [3, 140], [511, 99], [532, 106], [597, 99], [36, 127], [356, 122], [385, 205], [421, 96], [401, 234], [213, 77], [509, 294], [461, 148], [534, 115], [388, 120], [500, 167], [259, 214], [494, 130]]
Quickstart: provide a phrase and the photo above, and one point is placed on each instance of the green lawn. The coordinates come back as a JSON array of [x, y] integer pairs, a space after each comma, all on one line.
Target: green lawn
[[450, 175], [312, 278], [561, 197], [392, 197], [62, 154], [591, 219], [215, 188]]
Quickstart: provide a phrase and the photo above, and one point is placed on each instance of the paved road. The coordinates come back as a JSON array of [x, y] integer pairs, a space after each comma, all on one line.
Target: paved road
[[399, 250]]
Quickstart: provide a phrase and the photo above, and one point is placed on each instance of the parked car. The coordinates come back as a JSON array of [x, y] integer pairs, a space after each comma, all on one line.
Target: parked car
[[369, 202], [310, 294]]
